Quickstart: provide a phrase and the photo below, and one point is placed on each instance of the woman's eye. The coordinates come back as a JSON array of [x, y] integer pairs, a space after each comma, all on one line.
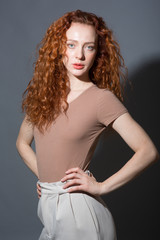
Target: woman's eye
[[90, 47], [70, 45]]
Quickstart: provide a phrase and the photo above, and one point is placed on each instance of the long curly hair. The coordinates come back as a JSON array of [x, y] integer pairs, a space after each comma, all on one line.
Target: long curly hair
[[43, 97]]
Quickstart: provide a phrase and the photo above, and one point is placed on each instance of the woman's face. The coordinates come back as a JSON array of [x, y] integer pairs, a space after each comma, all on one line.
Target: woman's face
[[81, 49]]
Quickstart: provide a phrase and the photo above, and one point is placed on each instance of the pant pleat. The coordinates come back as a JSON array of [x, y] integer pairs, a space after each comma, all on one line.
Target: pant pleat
[[73, 216]]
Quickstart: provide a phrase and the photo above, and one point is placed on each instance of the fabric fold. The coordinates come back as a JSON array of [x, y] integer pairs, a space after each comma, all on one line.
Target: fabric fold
[[73, 216]]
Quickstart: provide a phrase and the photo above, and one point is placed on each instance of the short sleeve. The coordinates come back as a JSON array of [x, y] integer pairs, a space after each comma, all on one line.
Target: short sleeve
[[109, 107]]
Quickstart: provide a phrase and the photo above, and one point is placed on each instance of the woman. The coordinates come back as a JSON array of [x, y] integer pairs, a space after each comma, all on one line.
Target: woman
[[74, 95]]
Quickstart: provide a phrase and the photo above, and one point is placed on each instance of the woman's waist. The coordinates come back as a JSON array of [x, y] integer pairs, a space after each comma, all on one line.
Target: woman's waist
[[51, 187]]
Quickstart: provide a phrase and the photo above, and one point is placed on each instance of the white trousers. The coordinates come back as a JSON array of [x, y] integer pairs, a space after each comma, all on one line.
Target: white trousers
[[73, 216]]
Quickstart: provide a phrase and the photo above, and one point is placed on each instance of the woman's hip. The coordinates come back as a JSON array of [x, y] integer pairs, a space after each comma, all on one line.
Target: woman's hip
[[74, 213]]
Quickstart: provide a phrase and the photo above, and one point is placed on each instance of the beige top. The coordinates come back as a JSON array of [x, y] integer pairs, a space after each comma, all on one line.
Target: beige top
[[70, 142]]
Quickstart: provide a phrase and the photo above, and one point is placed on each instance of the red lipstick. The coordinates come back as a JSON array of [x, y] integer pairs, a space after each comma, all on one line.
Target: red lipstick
[[78, 65]]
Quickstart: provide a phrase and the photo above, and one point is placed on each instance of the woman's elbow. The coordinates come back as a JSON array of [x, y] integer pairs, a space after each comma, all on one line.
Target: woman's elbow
[[18, 144], [155, 156]]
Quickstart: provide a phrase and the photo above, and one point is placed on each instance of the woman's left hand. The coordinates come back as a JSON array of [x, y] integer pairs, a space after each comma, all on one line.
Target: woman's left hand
[[80, 181]]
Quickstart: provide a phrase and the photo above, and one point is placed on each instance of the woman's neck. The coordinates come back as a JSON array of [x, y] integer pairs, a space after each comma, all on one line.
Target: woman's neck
[[79, 84]]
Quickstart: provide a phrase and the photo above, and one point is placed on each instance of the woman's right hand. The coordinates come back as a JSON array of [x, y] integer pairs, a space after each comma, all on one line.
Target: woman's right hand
[[39, 190]]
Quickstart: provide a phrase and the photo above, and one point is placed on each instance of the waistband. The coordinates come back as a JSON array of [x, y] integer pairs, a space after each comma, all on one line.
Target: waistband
[[55, 187]]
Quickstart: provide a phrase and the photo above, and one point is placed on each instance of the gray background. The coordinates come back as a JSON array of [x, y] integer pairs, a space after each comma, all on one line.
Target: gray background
[[135, 206]]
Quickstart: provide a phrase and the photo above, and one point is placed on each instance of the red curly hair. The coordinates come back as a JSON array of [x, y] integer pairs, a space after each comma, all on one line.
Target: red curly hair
[[48, 88]]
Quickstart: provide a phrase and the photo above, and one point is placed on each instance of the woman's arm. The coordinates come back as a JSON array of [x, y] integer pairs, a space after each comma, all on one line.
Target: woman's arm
[[24, 140], [145, 153]]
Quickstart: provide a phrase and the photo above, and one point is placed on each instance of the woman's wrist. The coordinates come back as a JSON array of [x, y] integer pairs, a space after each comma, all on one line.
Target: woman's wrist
[[103, 188]]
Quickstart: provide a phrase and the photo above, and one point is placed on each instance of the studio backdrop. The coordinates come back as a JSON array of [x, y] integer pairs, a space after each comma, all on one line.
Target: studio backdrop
[[135, 24]]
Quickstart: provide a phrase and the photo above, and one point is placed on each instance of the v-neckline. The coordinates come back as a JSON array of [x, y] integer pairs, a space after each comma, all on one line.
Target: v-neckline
[[69, 103]]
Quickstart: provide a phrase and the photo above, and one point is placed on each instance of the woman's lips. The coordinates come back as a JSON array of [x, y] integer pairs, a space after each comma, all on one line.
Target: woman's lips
[[78, 66]]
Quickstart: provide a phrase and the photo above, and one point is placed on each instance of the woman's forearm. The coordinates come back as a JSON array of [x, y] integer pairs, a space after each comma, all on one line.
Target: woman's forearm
[[28, 156], [140, 161]]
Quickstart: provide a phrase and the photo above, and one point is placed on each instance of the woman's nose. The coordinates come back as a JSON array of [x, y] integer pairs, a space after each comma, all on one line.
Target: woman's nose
[[80, 53]]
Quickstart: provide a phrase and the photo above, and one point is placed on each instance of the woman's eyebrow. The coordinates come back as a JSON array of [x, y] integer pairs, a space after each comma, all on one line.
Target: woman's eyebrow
[[77, 41]]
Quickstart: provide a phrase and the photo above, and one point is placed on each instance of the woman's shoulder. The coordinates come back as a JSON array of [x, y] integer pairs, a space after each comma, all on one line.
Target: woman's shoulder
[[103, 93], [105, 97]]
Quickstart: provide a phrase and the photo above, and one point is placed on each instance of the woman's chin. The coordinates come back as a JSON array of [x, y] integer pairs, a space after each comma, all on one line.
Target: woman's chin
[[79, 74]]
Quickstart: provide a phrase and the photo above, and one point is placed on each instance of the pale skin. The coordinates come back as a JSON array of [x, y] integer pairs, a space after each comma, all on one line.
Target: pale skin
[[145, 152]]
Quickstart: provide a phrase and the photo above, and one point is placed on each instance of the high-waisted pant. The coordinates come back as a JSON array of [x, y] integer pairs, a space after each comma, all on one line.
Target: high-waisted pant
[[73, 216]]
